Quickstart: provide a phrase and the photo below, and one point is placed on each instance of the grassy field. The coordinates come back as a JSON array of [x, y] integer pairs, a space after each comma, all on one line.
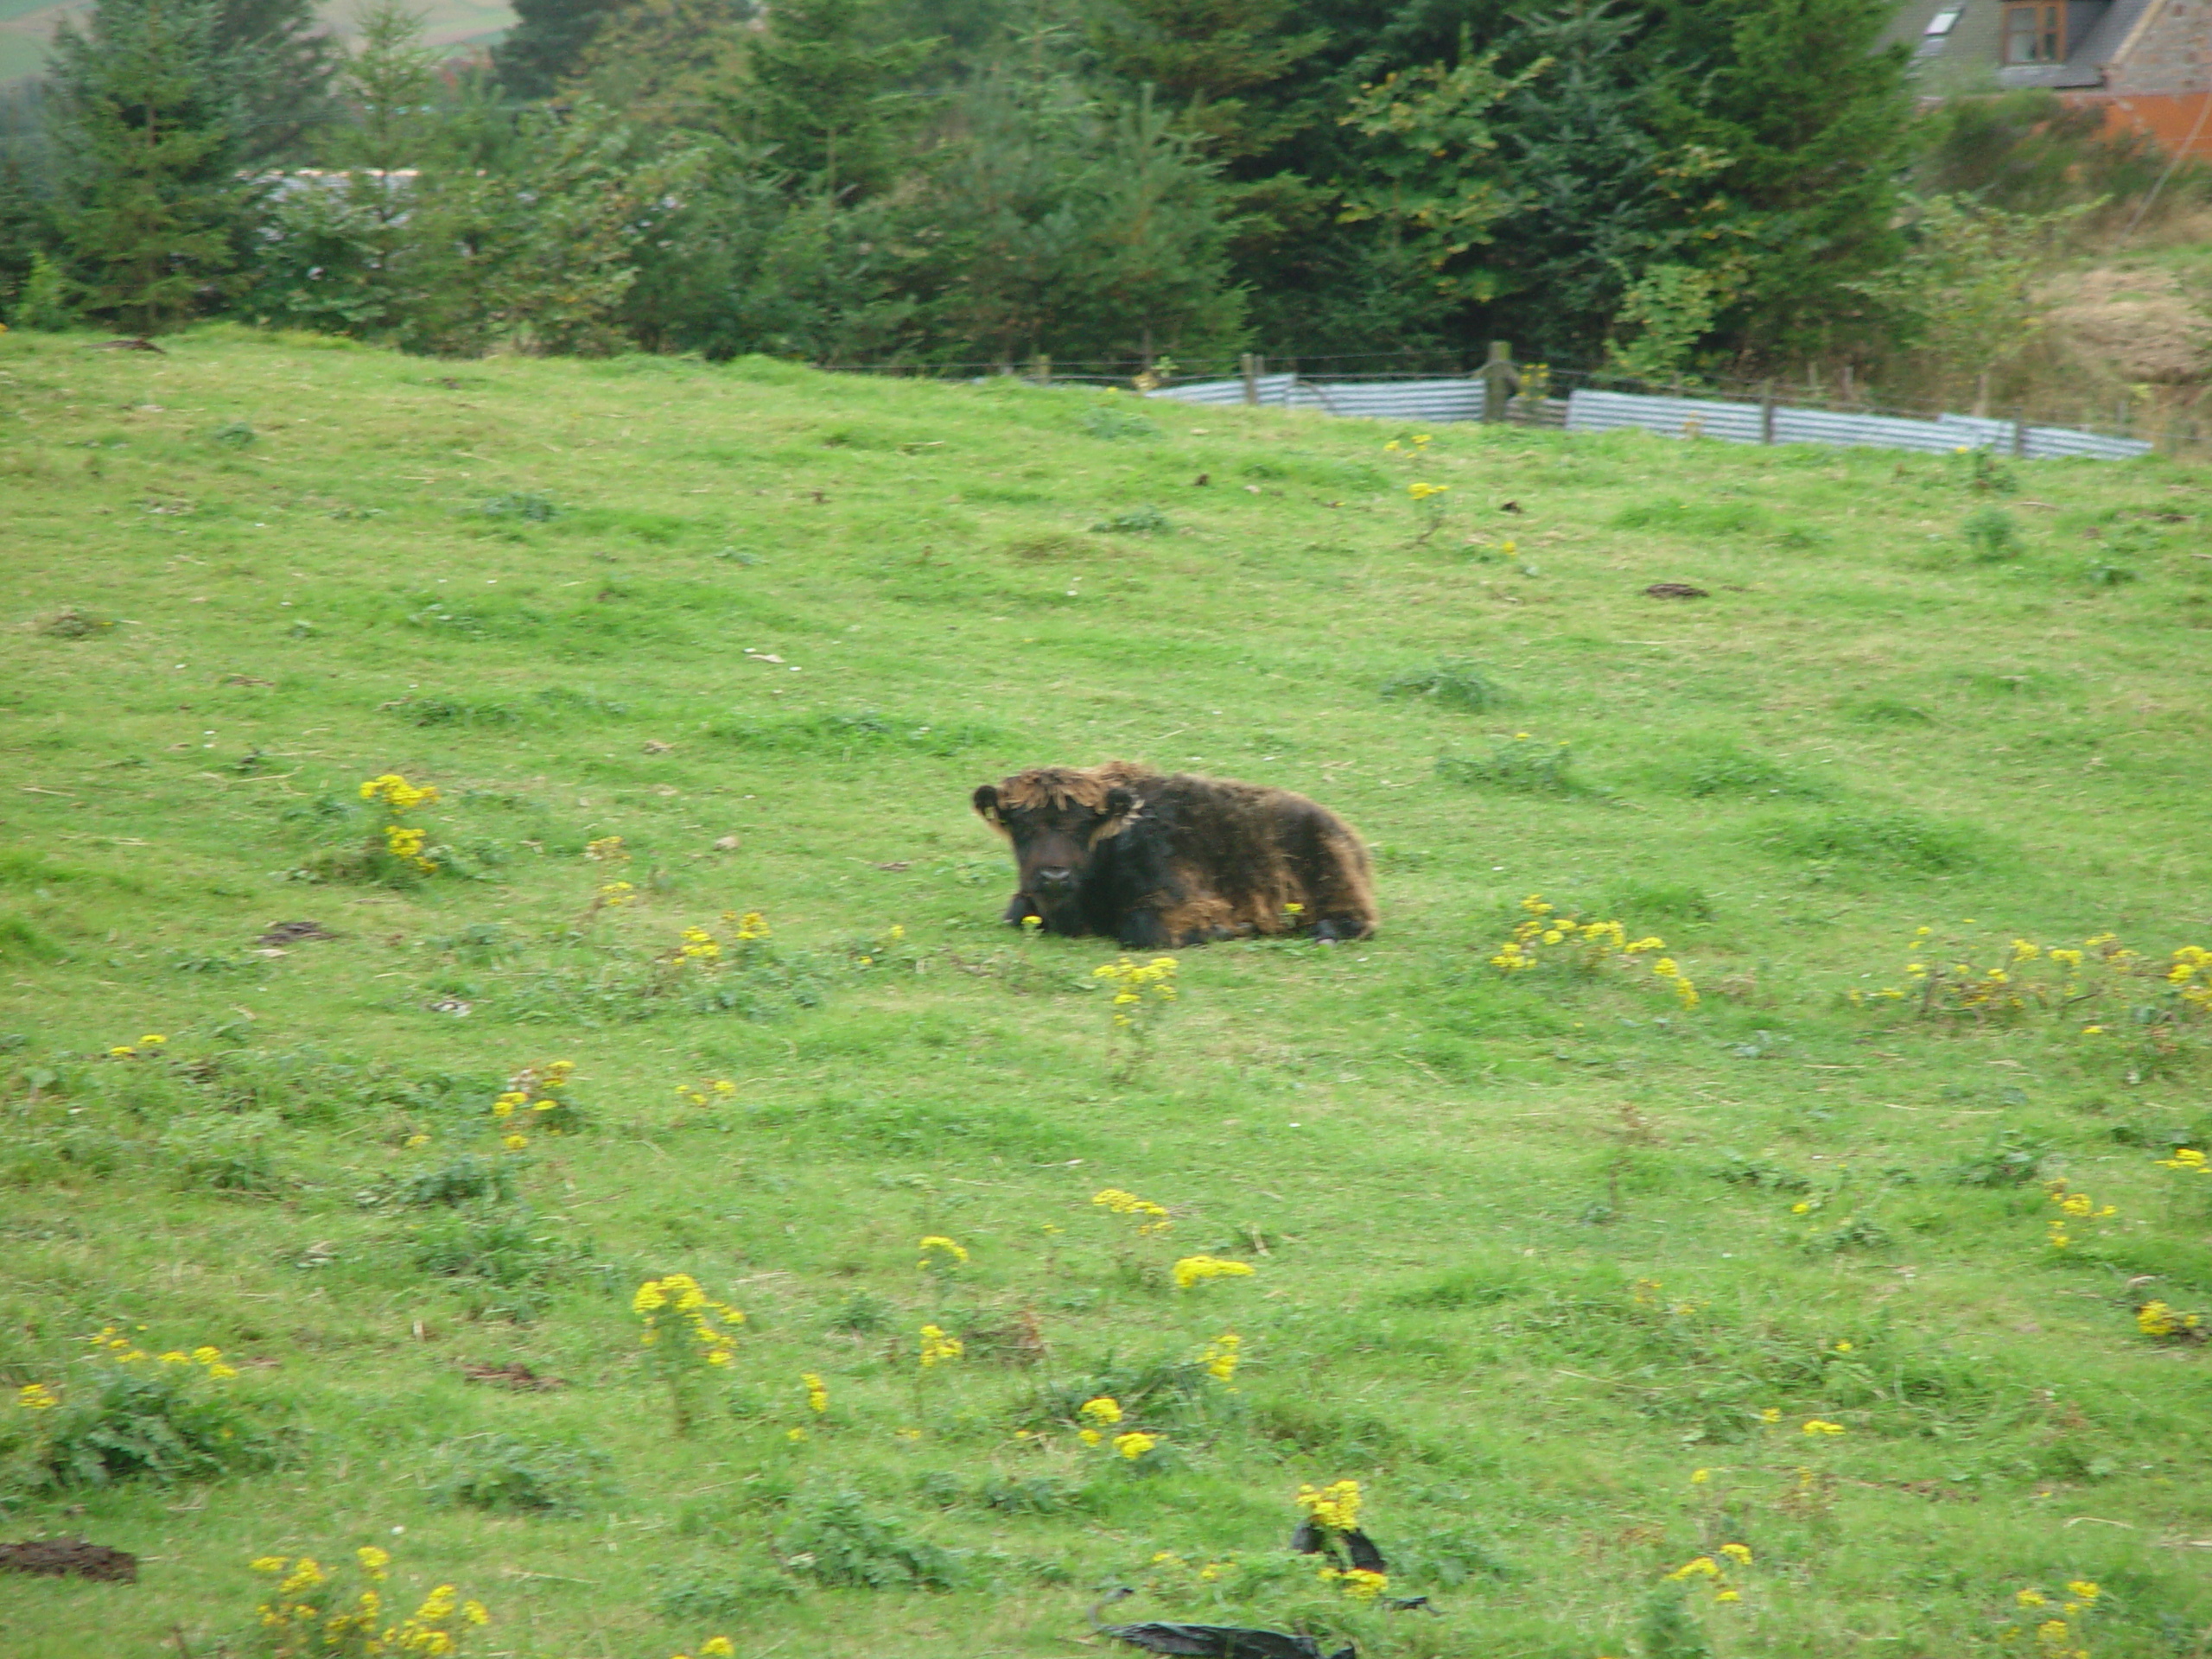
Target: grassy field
[[1580, 1282]]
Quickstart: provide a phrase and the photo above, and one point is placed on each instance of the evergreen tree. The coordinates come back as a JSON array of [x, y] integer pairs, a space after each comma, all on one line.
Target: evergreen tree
[[547, 43], [1806, 123], [669, 63], [281, 64], [152, 216], [1217, 63], [826, 94]]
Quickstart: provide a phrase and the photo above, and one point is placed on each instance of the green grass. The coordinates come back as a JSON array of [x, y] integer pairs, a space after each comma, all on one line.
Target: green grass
[[1526, 1251]]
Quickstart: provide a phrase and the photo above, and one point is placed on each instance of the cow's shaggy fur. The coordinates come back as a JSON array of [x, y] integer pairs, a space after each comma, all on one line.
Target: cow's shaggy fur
[[1161, 861]]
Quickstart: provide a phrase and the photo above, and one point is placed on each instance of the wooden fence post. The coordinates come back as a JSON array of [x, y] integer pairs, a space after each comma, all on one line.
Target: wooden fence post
[[1249, 367], [2019, 434], [1041, 368], [1766, 411], [1499, 380]]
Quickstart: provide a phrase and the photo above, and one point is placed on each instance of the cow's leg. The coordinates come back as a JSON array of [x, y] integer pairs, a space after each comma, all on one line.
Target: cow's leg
[[1147, 930], [1329, 930]]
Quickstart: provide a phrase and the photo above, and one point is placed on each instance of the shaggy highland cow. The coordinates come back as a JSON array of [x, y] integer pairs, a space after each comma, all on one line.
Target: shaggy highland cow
[[1161, 861]]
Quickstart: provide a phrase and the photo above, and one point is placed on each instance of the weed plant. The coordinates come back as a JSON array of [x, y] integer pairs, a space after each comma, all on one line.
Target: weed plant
[[1579, 1281]]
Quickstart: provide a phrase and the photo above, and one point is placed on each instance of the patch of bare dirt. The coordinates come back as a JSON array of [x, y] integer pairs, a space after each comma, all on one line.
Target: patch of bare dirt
[[69, 1558]]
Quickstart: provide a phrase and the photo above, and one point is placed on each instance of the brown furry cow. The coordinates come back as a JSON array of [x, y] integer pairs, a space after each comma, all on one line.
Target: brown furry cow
[[1159, 861]]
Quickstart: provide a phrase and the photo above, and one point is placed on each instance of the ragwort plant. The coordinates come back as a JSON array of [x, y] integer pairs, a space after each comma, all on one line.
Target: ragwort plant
[[1551, 938], [313, 1611], [688, 1336], [1143, 991], [397, 853], [126, 1414]]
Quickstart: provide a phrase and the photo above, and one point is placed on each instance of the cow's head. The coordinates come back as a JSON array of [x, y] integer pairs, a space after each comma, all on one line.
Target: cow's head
[[1056, 816]]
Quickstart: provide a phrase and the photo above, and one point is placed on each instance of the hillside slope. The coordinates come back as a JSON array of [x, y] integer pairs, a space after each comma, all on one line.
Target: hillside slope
[[1580, 1282]]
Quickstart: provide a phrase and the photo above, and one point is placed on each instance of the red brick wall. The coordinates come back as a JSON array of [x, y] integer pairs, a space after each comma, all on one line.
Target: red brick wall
[[2179, 121]]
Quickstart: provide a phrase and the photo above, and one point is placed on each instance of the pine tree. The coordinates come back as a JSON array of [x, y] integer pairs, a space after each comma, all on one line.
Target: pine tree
[[281, 63], [1220, 64], [1808, 123], [826, 94], [547, 44], [152, 215]]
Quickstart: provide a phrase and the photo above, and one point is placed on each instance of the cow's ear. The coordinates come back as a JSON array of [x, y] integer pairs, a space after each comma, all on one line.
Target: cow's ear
[[986, 799], [1121, 802]]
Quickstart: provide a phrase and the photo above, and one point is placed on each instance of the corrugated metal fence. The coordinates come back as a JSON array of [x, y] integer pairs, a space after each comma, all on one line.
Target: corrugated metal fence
[[1588, 410]]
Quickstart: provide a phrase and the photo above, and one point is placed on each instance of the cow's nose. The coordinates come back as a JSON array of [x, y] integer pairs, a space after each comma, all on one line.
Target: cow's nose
[[1057, 877]]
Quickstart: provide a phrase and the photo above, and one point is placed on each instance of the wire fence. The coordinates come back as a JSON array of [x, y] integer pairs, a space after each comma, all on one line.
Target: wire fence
[[1436, 388]]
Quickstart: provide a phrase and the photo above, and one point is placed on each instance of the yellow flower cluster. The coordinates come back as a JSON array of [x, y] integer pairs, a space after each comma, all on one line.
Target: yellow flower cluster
[[2058, 1635], [1135, 1445], [401, 841], [698, 945], [2073, 1208], [940, 1255], [149, 1045], [937, 1347], [1191, 1268], [715, 1647], [1103, 1412], [37, 1396], [2187, 1158], [750, 926], [1586, 946], [1333, 1508], [1817, 1426], [612, 895], [1171, 1571], [1220, 1357], [1134, 983], [307, 1613], [1114, 1201], [539, 1088], [395, 792], [2156, 1320], [114, 1345], [699, 1095], [1358, 1582], [607, 849], [2016, 983], [2191, 974], [675, 1304], [818, 1393], [1703, 1567], [1414, 446], [1421, 492]]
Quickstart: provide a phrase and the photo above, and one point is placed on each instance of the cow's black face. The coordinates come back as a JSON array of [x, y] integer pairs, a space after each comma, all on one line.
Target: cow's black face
[[1056, 844]]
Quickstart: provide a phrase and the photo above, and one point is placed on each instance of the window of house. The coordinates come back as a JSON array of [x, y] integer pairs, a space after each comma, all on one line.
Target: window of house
[[1942, 22], [2035, 34]]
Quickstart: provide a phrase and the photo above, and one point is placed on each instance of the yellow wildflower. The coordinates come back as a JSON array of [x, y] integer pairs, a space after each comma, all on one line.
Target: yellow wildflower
[[937, 1347], [1191, 1268], [818, 1393], [941, 1255], [1739, 1554], [1105, 1411], [1334, 1507], [1134, 1445], [37, 1396]]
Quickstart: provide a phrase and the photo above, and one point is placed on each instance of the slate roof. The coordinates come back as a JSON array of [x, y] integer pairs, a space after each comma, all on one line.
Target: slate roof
[[1975, 37]]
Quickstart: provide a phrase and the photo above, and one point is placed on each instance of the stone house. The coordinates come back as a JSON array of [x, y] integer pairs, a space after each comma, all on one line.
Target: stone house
[[2147, 62]]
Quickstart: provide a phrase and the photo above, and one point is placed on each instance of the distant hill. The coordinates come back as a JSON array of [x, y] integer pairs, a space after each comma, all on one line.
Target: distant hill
[[27, 26]]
